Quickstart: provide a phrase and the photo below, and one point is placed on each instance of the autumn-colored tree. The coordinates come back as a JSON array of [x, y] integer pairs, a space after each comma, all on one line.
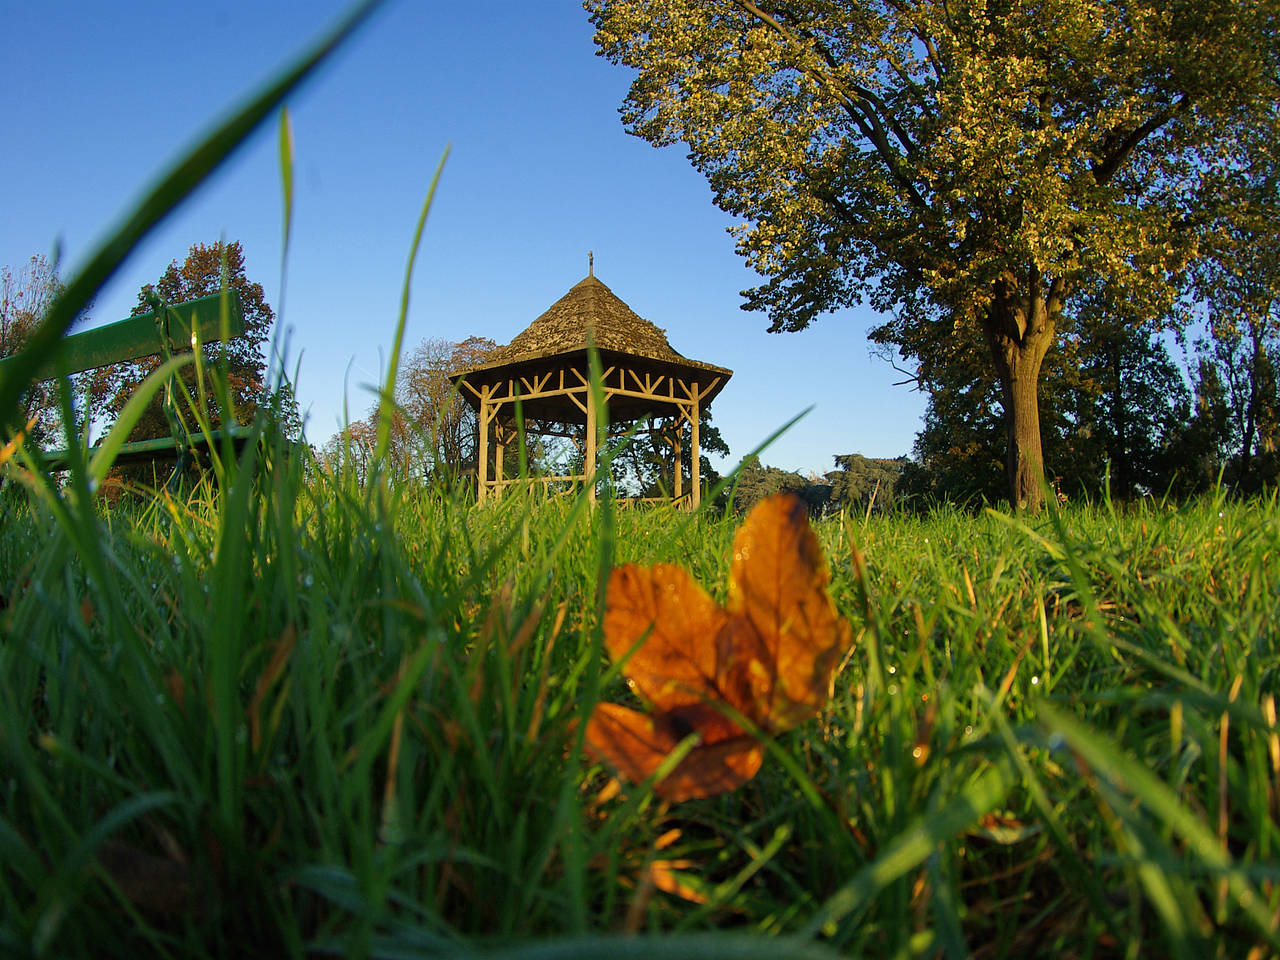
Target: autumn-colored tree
[[960, 165], [207, 269]]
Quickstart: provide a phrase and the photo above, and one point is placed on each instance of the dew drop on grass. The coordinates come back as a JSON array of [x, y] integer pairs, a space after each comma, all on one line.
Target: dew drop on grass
[[893, 689], [308, 580], [892, 668], [1035, 681]]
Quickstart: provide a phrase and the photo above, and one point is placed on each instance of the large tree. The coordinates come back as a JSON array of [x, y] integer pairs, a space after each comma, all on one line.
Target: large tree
[[959, 164]]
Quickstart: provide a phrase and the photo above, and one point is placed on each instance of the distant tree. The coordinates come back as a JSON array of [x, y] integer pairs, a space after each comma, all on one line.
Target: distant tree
[[1202, 449], [434, 413], [1240, 285], [432, 433], [25, 297], [208, 268], [965, 166], [645, 467], [1239, 395], [755, 481], [1131, 403], [860, 482], [959, 450], [350, 450]]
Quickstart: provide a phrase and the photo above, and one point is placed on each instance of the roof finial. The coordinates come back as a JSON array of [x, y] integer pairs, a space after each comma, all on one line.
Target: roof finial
[[591, 263]]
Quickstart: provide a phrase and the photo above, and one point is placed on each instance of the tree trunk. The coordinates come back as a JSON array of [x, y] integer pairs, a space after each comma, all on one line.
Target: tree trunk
[[1020, 329], [1249, 433], [1121, 482]]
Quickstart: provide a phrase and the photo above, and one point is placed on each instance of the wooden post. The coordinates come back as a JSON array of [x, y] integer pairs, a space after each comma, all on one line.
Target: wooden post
[[589, 454], [482, 457], [678, 482], [695, 466], [500, 438]]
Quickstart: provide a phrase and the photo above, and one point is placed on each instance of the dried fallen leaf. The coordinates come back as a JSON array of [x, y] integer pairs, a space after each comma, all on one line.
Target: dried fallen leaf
[[770, 655]]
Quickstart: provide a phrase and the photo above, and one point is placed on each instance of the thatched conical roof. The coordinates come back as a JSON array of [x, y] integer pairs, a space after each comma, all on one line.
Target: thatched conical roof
[[589, 311], [591, 314]]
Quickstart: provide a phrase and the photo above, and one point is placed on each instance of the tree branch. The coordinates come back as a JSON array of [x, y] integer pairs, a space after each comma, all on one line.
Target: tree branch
[[861, 109], [1105, 169]]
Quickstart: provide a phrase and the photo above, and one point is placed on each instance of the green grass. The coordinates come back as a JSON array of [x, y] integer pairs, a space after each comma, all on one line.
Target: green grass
[[344, 720], [285, 714]]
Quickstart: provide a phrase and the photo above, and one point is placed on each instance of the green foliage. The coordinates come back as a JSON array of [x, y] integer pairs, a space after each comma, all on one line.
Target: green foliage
[[1129, 410], [966, 169], [1114, 410], [755, 481], [864, 483], [645, 466]]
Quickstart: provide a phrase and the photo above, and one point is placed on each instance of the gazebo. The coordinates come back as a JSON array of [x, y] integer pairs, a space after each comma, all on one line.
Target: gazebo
[[546, 367]]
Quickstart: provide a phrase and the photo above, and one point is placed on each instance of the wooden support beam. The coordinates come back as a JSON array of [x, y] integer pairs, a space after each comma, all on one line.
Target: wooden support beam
[[482, 460], [589, 459], [695, 467], [678, 457]]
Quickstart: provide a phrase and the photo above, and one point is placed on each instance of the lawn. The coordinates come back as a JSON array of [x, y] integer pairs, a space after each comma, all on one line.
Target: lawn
[[284, 713]]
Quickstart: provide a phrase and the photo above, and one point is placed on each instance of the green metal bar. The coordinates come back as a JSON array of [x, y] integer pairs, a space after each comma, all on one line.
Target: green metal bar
[[157, 448], [137, 337]]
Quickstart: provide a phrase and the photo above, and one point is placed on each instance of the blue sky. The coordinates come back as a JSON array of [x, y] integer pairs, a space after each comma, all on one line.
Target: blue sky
[[101, 97]]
